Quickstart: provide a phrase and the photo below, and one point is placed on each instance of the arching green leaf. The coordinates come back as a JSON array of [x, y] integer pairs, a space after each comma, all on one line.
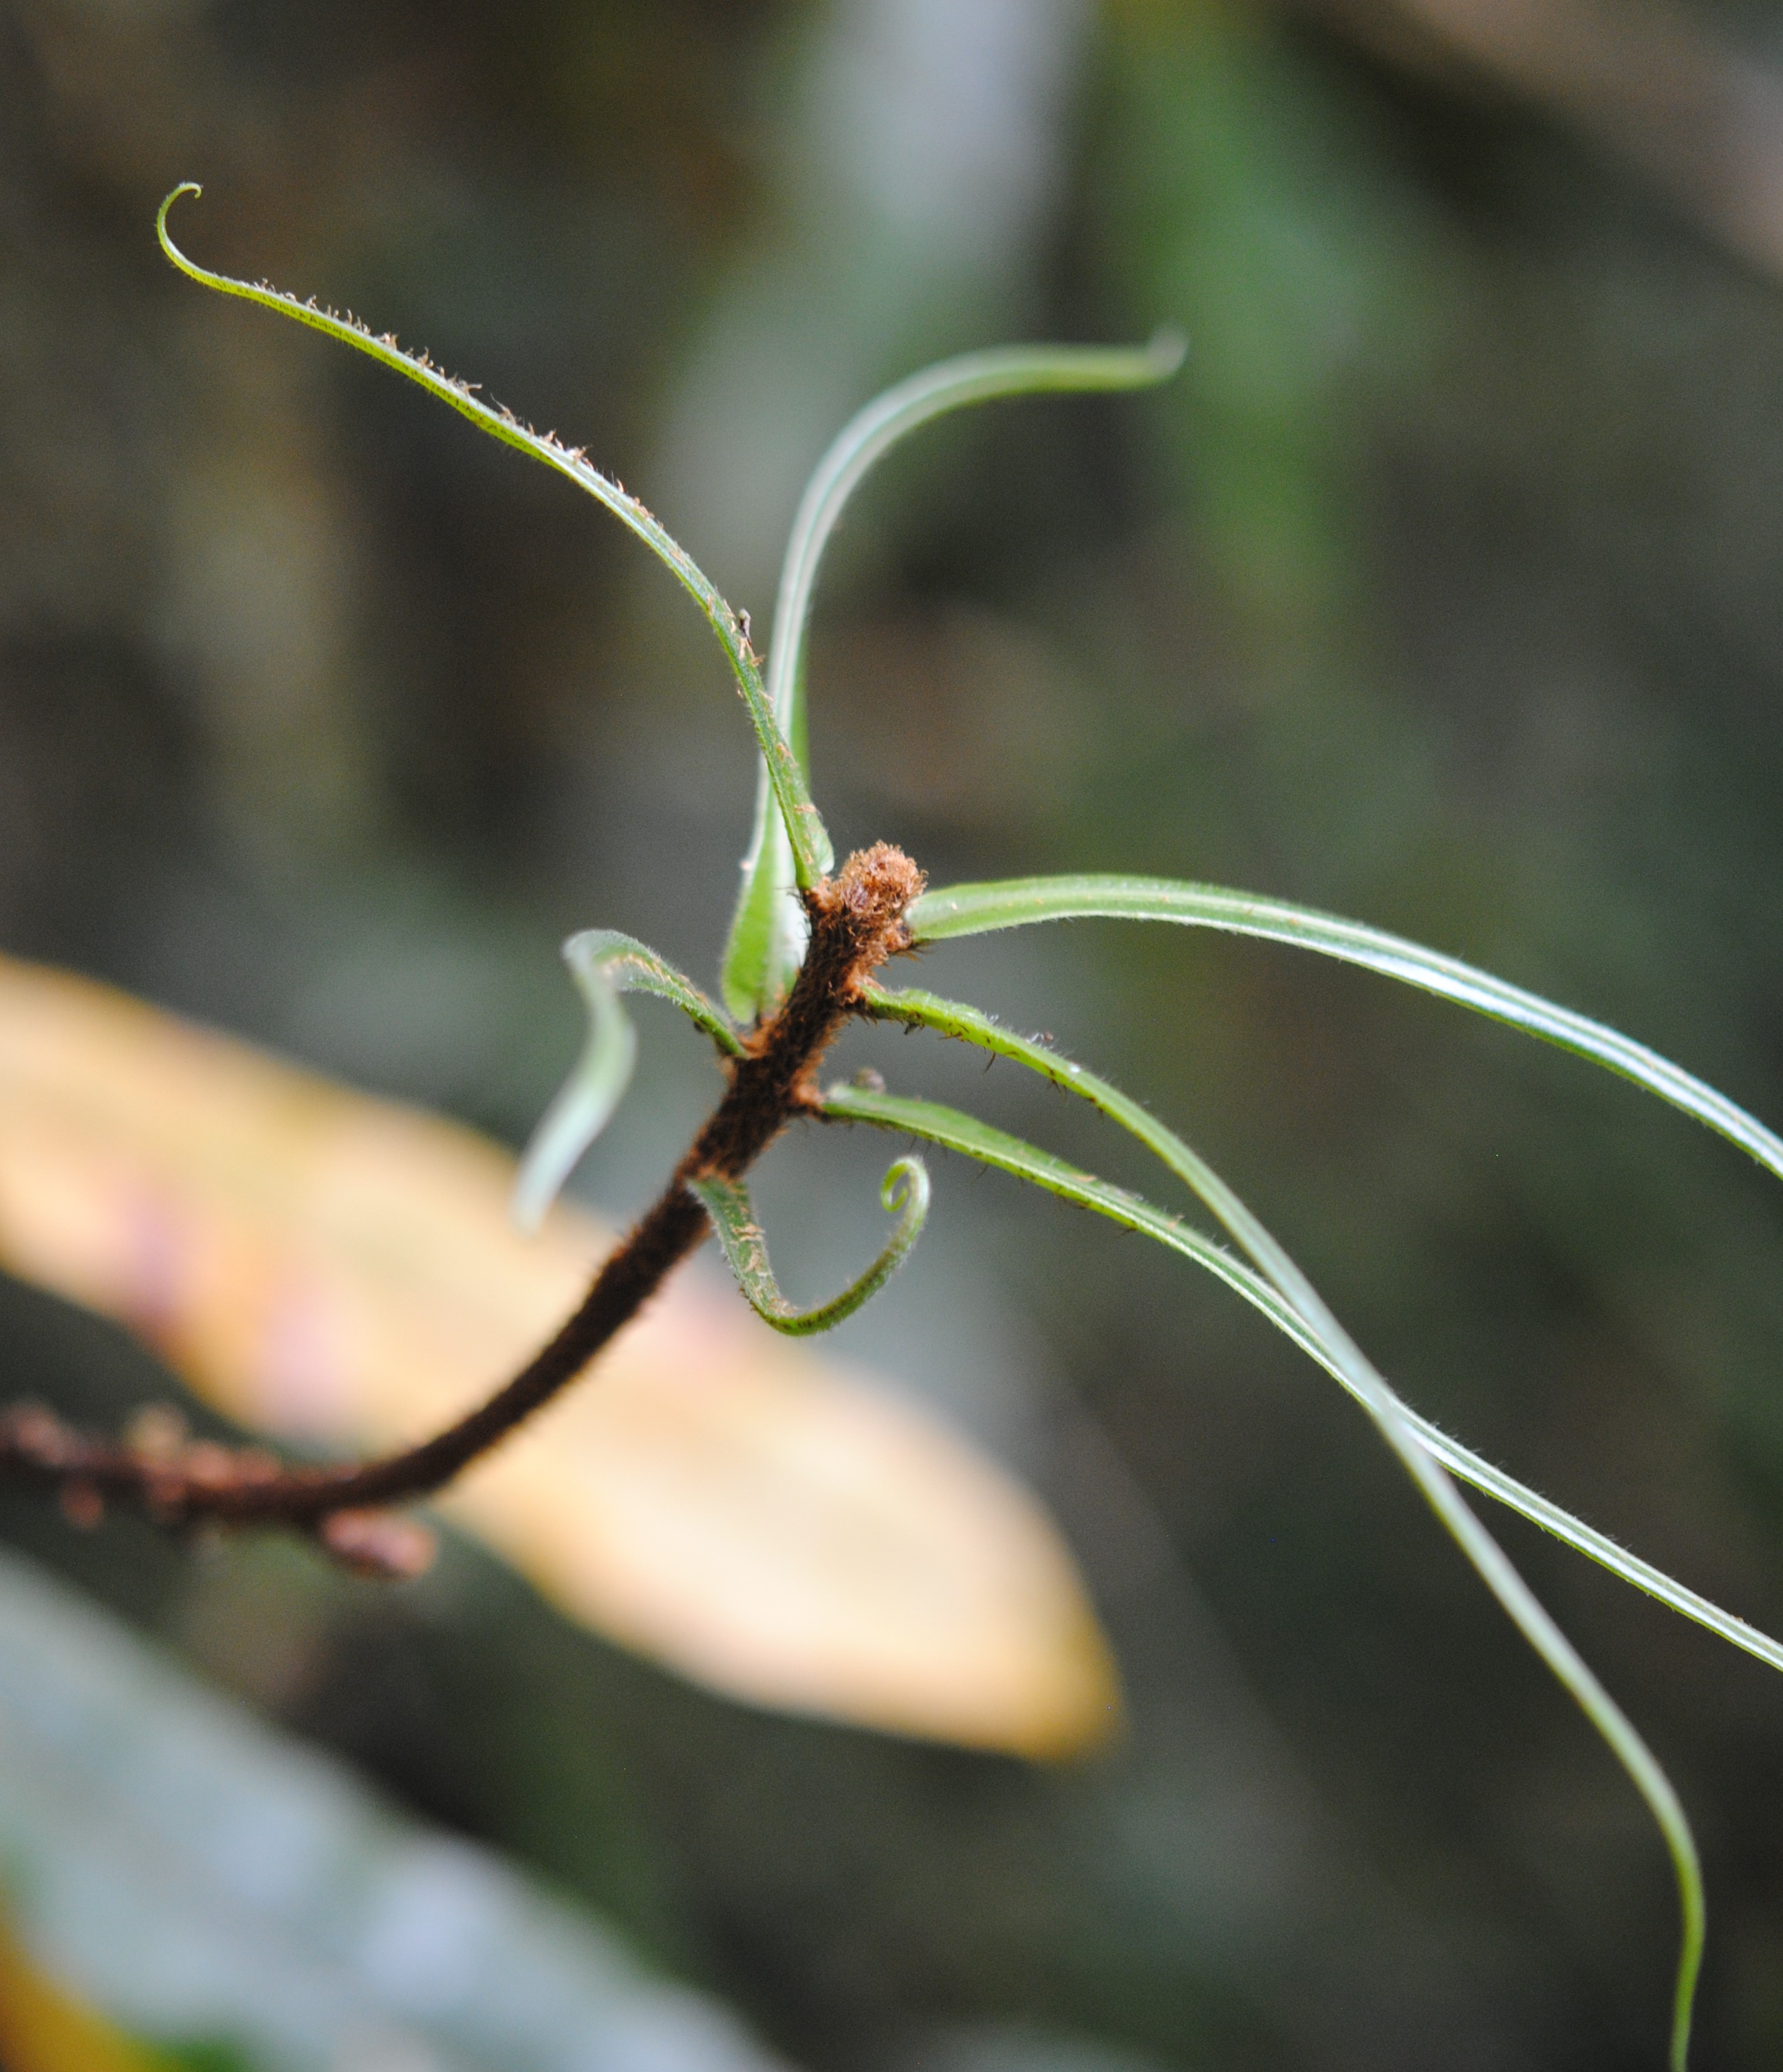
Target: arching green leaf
[[808, 843], [767, 935], [971, 910]]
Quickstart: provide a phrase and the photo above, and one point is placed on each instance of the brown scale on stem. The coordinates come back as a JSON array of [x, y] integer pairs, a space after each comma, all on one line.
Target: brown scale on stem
[[856, 922]]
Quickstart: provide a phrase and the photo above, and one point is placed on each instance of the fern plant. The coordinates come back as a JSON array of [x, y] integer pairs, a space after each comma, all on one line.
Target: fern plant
[[805, 949]]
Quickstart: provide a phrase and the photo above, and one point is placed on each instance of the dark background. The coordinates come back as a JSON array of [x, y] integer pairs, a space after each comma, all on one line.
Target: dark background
[[1440, 589]]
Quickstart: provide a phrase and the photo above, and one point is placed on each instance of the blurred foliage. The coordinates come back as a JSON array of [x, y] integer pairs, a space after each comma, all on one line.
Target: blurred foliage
[[42, 2029], [1438, 589], [254, 1910]]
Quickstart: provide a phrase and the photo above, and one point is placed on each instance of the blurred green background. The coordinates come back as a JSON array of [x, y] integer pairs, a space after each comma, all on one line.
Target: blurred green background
[[1440, 589]]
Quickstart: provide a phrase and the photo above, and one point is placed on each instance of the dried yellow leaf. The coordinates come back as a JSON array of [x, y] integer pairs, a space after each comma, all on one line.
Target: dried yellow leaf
[[320, 1264]]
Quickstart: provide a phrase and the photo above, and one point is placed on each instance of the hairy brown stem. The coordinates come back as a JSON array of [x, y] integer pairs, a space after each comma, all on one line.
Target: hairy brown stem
[[856, 922]]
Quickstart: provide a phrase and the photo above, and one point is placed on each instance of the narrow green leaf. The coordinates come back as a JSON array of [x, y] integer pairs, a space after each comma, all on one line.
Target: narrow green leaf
[[977, 1140], [1322, 1335], [905, 1189], [603, 965], [956, 1131], [971, 910], [809, 844], [767, 938]]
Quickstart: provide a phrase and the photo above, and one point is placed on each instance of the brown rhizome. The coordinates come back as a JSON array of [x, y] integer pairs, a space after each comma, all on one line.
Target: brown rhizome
[[856, 922]]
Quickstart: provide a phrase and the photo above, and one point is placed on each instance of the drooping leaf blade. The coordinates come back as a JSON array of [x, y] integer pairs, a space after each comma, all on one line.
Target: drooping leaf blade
[[1340, 1355], [904, 1191], [970, 910], [766, 938], [974, 1139], [809, 842], [603, 965]]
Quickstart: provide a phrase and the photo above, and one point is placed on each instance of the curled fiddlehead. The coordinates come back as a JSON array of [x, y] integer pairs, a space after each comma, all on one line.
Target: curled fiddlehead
[[904, 1192]]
